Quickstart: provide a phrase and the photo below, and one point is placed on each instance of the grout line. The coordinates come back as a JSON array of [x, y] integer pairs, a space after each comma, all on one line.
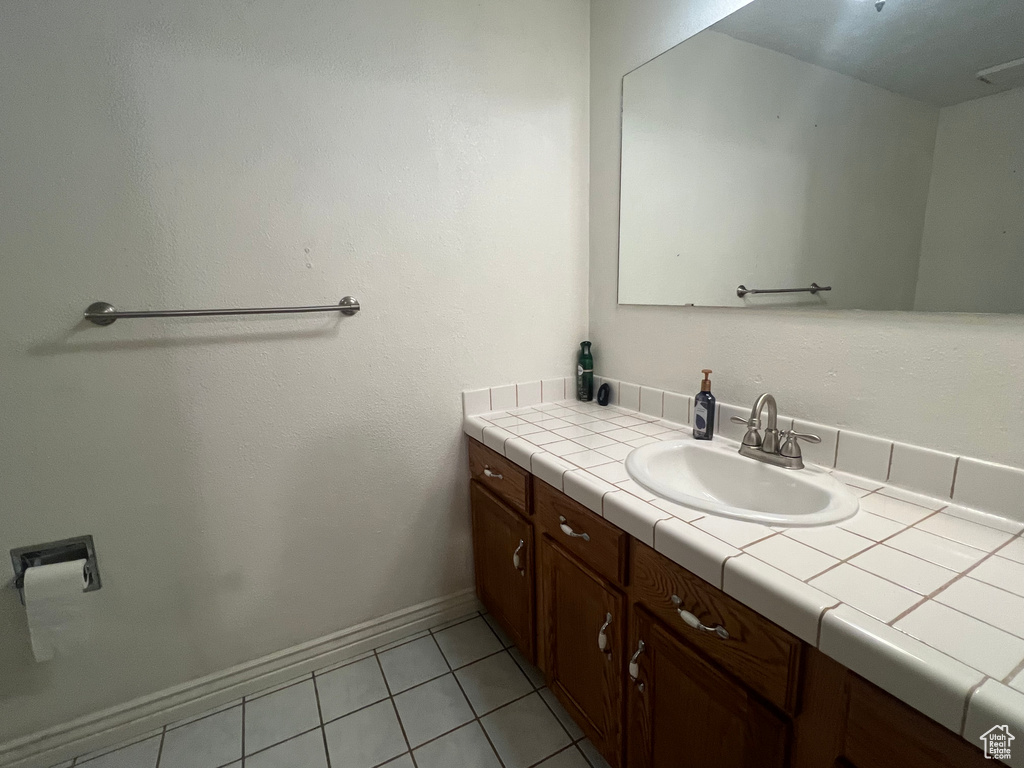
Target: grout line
[[821, 621], [1014, 672], [320, 714], [952, 486], [888, 471], [967, 702], [160, 751], [243, 733], [835, 459]]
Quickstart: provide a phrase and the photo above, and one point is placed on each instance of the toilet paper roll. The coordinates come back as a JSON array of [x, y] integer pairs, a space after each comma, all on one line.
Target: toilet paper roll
[[56, 608]]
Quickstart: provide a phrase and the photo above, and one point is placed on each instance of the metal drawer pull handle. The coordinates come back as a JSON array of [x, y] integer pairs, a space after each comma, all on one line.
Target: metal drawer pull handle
[[694, 622], [515, 558], [602, 634], [564, 525], [634, 667], [495, 475]]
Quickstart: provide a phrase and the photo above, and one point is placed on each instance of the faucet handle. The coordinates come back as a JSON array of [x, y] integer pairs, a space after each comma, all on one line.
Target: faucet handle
[[753, 437], [790, 447]]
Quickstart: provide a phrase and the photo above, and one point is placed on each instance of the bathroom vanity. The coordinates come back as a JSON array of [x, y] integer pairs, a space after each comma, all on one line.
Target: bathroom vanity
[[658, 666]]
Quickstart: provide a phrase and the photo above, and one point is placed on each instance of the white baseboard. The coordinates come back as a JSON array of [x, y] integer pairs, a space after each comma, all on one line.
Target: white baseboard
[[134, 718]]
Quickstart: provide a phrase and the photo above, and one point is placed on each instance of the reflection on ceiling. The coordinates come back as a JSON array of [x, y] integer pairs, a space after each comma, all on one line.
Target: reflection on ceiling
[[928, 50]]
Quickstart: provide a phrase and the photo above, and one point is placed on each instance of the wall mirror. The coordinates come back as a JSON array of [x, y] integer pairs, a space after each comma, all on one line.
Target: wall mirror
[[875, 149]]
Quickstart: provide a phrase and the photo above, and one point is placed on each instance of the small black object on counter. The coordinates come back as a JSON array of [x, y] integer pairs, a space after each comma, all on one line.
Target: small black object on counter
[[604, 394]]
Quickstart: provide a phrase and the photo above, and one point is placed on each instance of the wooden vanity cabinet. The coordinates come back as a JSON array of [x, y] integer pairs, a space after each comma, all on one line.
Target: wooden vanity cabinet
[[581, 615], [846, 722], [685, 712], [503, 555], [578, 595]]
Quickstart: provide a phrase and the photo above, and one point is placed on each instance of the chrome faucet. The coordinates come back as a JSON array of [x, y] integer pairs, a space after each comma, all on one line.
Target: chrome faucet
[[779, 449]]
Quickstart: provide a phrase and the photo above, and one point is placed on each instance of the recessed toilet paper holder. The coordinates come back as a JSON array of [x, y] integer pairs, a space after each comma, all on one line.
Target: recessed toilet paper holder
[[51, 553]]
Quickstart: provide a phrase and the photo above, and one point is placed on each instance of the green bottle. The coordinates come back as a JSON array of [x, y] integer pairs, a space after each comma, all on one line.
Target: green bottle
[[585, 374]]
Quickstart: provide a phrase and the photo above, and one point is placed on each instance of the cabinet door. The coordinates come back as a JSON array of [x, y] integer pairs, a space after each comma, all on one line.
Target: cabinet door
[[686, 713], [503, 556], [581, 634]]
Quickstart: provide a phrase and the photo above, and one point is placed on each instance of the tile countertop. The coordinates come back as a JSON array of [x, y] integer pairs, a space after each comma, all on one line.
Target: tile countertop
[[923, 598]]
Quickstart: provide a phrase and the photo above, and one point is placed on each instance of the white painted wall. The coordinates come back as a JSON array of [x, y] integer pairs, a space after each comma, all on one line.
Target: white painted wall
[[742, 165], [257, 482], [972, 249], [939, 380]]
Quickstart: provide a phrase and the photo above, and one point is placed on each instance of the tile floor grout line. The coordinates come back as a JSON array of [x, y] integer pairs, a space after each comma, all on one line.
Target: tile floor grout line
[[242, 764], [394, 707], [320, 715], [405, 736], [293, 737], [160, 749]]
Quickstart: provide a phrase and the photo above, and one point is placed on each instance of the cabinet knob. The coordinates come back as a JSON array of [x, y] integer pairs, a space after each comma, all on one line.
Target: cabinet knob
[[516, 561], [492, 475], [564, 525], [602, 635], [693, 621], [634, 667]]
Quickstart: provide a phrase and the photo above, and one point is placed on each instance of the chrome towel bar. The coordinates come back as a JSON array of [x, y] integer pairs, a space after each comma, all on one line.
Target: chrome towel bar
[[742, 290], [102, 313]]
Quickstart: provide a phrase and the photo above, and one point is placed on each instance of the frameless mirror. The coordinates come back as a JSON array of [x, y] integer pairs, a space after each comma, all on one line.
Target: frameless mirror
[[875, 154]]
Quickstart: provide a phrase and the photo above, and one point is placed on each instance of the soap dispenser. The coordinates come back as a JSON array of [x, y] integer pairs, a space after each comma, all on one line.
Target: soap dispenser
[[704, 410]]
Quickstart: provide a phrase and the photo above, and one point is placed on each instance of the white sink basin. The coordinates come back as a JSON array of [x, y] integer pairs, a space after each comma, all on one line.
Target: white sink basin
[[712, 477]]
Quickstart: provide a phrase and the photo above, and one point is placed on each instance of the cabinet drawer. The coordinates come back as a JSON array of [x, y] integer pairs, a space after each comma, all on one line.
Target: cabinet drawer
[[761, 654], [500, 475], [593, 540]]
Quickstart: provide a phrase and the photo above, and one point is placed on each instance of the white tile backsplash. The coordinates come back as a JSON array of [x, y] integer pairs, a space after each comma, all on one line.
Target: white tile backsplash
[[652, 401], [528, 393], [725, 428], [863, 455], [990, 487], [824, 453], [503, 398], [922, 469], [629, 396], [677, 408], [476, 401], [552, 390]]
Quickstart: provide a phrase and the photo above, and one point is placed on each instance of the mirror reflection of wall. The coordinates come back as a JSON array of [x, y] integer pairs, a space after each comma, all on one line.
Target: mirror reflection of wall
[[802, 141]]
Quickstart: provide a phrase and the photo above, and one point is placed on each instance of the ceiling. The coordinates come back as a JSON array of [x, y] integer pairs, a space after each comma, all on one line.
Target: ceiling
[[928, 50]]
